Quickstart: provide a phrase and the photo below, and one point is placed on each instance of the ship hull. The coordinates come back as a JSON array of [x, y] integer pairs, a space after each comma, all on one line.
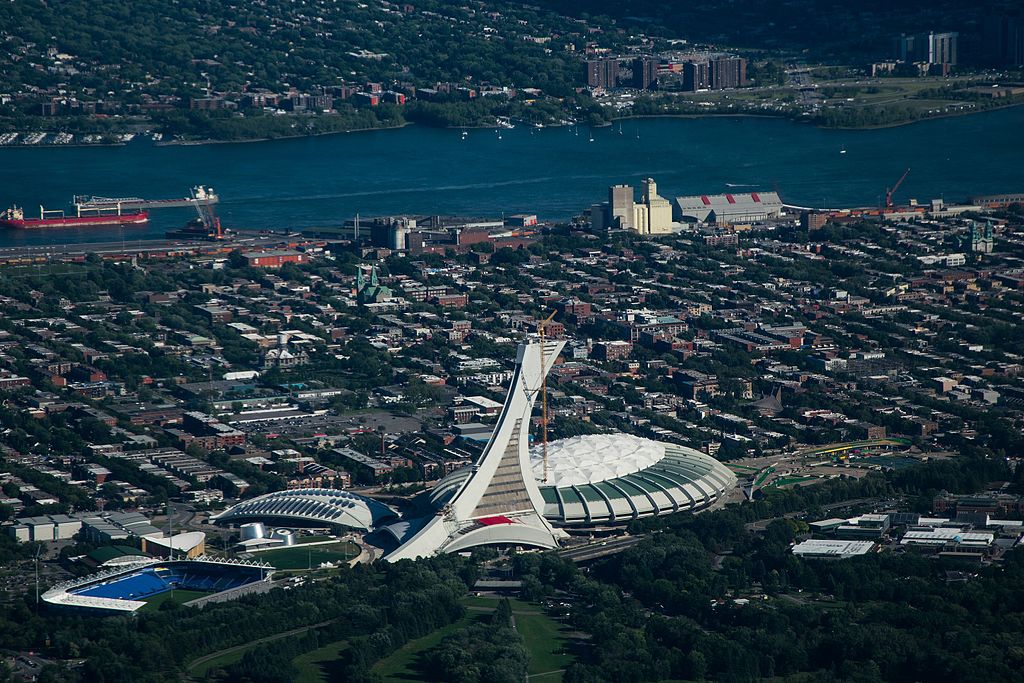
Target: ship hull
[[75, 221]]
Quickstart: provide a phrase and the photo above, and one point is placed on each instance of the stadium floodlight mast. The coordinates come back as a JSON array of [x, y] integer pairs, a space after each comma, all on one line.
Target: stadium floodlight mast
[[39, 549], [170, 529]]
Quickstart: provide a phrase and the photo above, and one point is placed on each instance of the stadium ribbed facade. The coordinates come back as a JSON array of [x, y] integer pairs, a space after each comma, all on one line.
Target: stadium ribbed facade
[[609, 479], [309, 508]]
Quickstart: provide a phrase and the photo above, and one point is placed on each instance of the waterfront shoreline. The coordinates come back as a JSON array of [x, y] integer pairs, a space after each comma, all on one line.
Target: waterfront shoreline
[[73, 145], [700, 116], [196, 143], [616, 119], [802, 120], [949, 115]]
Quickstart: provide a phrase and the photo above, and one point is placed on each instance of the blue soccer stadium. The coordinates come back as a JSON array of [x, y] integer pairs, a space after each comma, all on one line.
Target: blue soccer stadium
[[130, 587]]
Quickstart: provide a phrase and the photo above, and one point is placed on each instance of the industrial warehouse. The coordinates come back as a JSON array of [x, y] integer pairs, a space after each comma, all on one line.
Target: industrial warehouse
[[655, 215], [728, 208]]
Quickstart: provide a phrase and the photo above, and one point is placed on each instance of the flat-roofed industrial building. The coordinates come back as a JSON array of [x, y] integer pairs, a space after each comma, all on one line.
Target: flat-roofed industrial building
[[831, 549], [727, 208]]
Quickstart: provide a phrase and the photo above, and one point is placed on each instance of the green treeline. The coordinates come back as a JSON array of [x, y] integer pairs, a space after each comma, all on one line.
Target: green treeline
[[488, 651], [376, 609], [258, 125], [665, 609], [119, 58]]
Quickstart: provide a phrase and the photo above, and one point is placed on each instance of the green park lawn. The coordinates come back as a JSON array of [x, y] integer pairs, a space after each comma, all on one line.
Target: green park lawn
[[401, 665], [220, 662], [303, 557], [547, 644], [545, 640], [311, 664]]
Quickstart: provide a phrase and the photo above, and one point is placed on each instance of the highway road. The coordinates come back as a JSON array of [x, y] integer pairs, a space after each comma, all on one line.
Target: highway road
[[598, 550], [240, 240]]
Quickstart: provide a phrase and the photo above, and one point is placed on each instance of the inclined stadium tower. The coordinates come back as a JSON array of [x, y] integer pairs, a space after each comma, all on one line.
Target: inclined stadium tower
[[597, 480]]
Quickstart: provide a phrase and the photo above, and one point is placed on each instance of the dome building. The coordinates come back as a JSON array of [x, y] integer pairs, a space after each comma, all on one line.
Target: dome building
[[309, 508], [610, 479]]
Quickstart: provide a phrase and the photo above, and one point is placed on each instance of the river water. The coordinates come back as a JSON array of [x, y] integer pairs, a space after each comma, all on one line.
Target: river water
[[553, 172]]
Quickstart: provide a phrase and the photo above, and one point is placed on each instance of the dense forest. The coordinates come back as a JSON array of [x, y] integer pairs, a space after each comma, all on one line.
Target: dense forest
[[877, 618], [148, 51], [140, 63], [838, 32], [165, 47]]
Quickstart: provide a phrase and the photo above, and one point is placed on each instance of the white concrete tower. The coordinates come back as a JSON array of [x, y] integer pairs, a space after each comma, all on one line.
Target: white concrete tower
[[500, 502]]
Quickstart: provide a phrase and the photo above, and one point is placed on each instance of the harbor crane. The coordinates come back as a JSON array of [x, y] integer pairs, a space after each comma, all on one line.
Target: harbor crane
[[890, 191], [207, 217]]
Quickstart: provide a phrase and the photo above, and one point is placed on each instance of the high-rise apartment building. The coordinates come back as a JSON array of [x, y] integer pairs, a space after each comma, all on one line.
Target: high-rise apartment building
[[942, 48], [728, 72], [1004, 39], [695, 76], [603, 72], [930, 48], [645, 72]]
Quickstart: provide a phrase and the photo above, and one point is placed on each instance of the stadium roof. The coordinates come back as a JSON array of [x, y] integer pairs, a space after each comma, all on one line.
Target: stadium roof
[[108, 553], [184, 541], [615, 478], [309, 507], [585, 459]]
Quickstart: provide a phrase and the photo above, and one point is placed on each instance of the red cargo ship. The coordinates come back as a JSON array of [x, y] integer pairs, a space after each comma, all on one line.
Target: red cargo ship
[[14, 217]]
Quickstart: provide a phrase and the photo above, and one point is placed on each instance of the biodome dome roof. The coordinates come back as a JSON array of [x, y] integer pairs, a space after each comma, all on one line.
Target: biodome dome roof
[[309, 507]]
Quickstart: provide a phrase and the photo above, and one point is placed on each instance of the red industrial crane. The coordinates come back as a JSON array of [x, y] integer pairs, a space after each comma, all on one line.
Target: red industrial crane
[[889, 191], [208, 218]]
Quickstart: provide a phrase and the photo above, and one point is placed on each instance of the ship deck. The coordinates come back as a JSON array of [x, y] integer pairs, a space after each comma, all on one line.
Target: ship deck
[[134, 203]]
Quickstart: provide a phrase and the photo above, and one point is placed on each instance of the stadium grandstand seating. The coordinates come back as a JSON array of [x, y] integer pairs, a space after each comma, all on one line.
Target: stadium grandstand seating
[[195, 576]]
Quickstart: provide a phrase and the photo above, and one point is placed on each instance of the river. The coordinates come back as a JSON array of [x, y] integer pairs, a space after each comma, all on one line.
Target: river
[[553, 172]]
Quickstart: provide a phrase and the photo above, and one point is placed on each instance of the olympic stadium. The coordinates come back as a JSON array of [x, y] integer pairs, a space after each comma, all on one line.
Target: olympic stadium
[[609, 479], [510, 496], [129, 587]]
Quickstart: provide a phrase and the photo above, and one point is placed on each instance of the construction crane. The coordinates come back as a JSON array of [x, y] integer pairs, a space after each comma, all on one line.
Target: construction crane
[[207, 218], [890, 191], [544, 391]]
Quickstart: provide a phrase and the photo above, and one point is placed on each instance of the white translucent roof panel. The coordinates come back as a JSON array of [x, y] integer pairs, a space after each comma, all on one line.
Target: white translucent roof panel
[[594, 457]]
